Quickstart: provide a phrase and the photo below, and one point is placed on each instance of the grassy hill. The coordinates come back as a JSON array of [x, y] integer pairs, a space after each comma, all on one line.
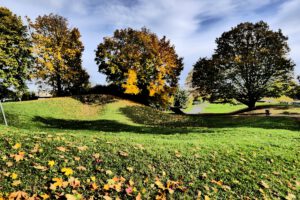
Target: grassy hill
[[62, 148]]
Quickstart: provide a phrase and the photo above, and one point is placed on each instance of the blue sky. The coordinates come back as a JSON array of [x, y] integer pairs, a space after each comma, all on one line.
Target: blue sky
[[191, 25]]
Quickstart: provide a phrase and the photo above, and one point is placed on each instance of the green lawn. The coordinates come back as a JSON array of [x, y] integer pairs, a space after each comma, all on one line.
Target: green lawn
[[125, 150]]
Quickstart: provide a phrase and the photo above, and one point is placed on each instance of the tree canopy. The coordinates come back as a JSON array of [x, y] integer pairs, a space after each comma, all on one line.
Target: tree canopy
[[15, 54], [248, 60], [140, 63], [58, 50]]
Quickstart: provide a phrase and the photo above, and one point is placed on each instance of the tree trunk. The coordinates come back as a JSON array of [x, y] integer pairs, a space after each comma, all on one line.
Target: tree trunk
[[251, 104], [59, 88]]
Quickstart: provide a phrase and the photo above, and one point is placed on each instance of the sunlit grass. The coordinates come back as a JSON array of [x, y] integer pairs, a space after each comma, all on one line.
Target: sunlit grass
[[225, 157]]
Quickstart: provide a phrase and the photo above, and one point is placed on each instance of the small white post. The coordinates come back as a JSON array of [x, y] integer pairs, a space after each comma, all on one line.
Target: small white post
[[3, 113]]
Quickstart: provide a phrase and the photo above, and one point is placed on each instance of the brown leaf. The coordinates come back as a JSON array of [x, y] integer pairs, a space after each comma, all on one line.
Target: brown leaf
[[19, 195], [264, 184], [220, 183], [63, 149], [123, 153]]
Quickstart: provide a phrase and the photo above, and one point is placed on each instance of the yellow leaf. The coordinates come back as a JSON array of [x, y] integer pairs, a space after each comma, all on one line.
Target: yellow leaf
[[130, 169], [159, 184], [58, 182], [96, 155], [9, 164], [39, 167], [67, 171], [264, 184], [94, 186], [81, 168], [51, 163], [17, 146], [109, 172], [77, 158], [138, 197], [106, 187], [18, 195], [93, 178], [70, 197], [19, 156], [290, 196], [107, 197], [16, 183], [14, 176], [63, 149], [83, 148], [45, 196], [74, 182], [123, 153], [220, 183]]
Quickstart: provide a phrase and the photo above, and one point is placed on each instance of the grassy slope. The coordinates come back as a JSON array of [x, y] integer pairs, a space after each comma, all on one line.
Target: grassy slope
[[221, 157]]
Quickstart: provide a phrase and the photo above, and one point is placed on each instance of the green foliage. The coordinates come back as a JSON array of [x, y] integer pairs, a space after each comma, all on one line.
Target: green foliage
[[181, 98], [140, 63], [293, 90], [58, 51], [249, 59], [15, 54]]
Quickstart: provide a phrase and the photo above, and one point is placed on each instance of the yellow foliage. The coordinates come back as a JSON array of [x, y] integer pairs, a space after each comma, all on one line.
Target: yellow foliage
[[130, 85], [238, 58]]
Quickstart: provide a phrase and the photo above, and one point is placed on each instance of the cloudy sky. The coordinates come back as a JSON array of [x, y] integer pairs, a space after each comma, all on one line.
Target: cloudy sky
[[191, 25]]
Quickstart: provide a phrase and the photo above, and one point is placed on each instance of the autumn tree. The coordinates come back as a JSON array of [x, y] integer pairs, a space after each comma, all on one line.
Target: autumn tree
[[15, 54], [58, 50], [140, 63], [248, 60]]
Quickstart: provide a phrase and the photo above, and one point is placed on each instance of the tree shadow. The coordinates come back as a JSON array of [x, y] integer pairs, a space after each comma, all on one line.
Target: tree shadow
[[95, 99], [143, 115], [105, 126]]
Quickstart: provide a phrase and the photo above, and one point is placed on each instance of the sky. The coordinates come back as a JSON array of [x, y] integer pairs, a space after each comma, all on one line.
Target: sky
[[191, 25]]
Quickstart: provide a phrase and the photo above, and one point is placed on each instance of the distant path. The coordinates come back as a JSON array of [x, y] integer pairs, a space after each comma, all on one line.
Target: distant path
[[196, 109]]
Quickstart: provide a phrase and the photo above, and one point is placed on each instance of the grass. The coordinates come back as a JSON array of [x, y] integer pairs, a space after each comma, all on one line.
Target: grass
[[125, 150]]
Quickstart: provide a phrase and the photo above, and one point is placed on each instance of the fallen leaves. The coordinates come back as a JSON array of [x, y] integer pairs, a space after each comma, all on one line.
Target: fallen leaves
[[123, 153], [82, 148], [67, 171], [264, 184], [17, 146], [51, 163], [19, 195], [16, 183], [62, 149], [19, 156]]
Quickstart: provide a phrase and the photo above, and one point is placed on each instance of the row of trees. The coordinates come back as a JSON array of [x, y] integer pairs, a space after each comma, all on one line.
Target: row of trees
[[47, 50], [250, 62]]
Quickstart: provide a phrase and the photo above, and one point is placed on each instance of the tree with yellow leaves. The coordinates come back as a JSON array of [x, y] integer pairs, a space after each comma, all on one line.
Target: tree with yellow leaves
[[58, 52], [141, 64]]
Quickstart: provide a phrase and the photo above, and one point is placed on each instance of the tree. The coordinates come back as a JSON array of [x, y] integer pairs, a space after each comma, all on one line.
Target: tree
[[248, 60], [140, 63], [15, 54], [181, 98], [294, 89], [58, 51]]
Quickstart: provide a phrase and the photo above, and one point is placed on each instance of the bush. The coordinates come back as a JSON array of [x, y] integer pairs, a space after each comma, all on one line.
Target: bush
[[181, 99]]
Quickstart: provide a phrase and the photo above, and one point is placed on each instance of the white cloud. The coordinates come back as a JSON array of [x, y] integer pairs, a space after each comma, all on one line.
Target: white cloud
[[191, 25]]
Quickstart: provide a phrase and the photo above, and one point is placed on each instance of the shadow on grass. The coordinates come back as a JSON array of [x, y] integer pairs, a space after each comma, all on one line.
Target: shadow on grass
[[95, 99], [145, 115], [105, 126]]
